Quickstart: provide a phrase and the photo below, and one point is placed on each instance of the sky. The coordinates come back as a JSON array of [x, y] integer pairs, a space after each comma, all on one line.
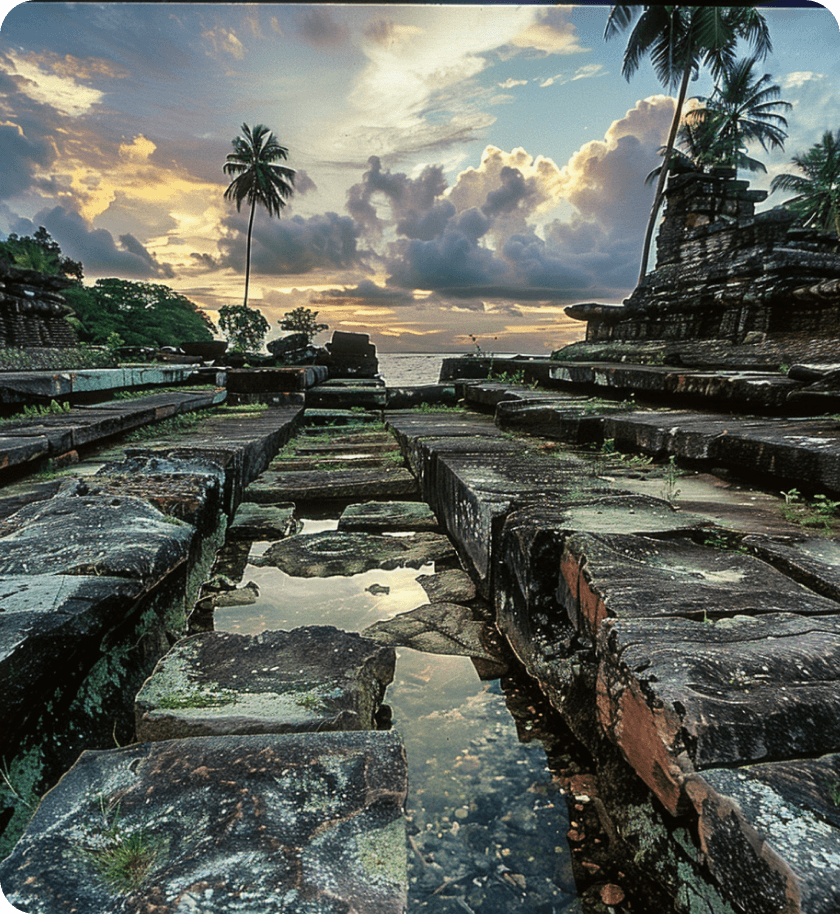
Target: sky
[[463, 172]]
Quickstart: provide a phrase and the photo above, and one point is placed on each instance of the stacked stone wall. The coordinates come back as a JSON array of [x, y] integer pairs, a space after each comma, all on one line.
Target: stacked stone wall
[[32, 310], [724, 273]]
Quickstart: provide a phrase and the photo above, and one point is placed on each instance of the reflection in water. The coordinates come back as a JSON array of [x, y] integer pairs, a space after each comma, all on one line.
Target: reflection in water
[[486, 821]]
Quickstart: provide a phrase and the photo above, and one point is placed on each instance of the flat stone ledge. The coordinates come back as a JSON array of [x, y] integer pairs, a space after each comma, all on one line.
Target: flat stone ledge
[[316, 678], [303, 485], [380, 516], [311, 822], [792, 804]]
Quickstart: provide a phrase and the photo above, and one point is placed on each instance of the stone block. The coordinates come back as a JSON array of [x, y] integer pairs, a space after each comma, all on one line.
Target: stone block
[[380, 516], [310, 679], [304, 822]]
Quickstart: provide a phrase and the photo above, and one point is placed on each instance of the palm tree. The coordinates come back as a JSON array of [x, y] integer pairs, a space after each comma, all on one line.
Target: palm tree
[[817, 200], [678, 40], [742, 109], [258, 179]]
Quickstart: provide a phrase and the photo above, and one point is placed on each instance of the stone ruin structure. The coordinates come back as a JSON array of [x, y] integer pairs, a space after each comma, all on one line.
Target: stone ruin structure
[[730, 286], [32, 310]]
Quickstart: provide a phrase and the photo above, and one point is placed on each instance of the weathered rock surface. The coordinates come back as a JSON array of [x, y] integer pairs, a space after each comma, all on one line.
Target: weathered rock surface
[[334, 553], [794, 805], [438, 628], [262, 522], [274, 488], [93, 535], [310, 679], [449, 586], [310, 823], [378, 516]]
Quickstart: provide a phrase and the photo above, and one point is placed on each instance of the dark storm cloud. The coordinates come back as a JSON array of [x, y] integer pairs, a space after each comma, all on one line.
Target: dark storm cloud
[[515, 190], [452, 259], [97, 250], [366, 293], [23, 156], [416, 204], [292, 246], [318, 28]]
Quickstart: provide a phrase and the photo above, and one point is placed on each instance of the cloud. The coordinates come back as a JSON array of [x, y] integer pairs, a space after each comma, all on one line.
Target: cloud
[[60, 91], [510, 83], [224, 41], [367, 294], [99, 253], [553, 34], [292, 246], [24, 156], [318, 27]]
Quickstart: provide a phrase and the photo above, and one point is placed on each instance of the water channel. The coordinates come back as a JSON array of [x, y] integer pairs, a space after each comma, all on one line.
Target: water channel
[[487, 820]]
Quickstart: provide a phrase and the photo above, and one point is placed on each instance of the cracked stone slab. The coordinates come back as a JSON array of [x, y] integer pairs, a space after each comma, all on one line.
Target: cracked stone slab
[[316, 678], [452, 585], [379, 516], [811, 560], [263, 522], [793, 805], [335, 553], [274, 488], [439, 628], [310, 823], [46, 619], [120, 536]]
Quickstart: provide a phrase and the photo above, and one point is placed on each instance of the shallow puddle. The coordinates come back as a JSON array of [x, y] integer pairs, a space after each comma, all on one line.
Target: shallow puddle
[[487, 823]]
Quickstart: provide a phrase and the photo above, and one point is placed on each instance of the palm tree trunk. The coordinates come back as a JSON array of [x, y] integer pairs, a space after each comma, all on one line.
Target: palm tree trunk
[[248, 251], [663, 174]]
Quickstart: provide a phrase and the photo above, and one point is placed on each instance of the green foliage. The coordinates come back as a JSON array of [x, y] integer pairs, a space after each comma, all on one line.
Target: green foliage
[[244, 327], [302, 320], [819, 512], [507, 377], [817, 190], [670, 490], [834, 792], [124, 857], [38, 252], [140, 313]]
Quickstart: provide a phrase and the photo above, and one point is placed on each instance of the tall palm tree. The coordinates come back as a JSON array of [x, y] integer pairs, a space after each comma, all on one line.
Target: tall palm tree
[[258, 178], [742, 109], [817, 200], [678, 40]]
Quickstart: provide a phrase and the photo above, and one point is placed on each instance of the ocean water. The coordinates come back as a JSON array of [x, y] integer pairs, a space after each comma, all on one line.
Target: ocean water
[[411, 369], [414, 369]]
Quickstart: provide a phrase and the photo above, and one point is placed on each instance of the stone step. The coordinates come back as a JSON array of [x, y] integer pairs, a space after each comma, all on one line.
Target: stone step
[[307, 821], [220, 683], [303, 485]]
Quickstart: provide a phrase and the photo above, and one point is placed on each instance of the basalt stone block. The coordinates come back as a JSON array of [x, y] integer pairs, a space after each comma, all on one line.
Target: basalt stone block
[[379, 516], [196, 500], [552, 418], [303, 485], [812, 560], [335, 553], [316, 678], [112, 535], [412, 397], [262, 522], [310, 823], [535, 607], [47, 623], [449, 586], [792, 803], [16, 449], [742, 690]]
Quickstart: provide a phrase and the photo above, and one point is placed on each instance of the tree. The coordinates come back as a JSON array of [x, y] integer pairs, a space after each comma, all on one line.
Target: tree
[[243, 326], [258, 179], [302, 320], [678, 40], [39, 252], [817, 200], [742, 109], [142, 313]]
